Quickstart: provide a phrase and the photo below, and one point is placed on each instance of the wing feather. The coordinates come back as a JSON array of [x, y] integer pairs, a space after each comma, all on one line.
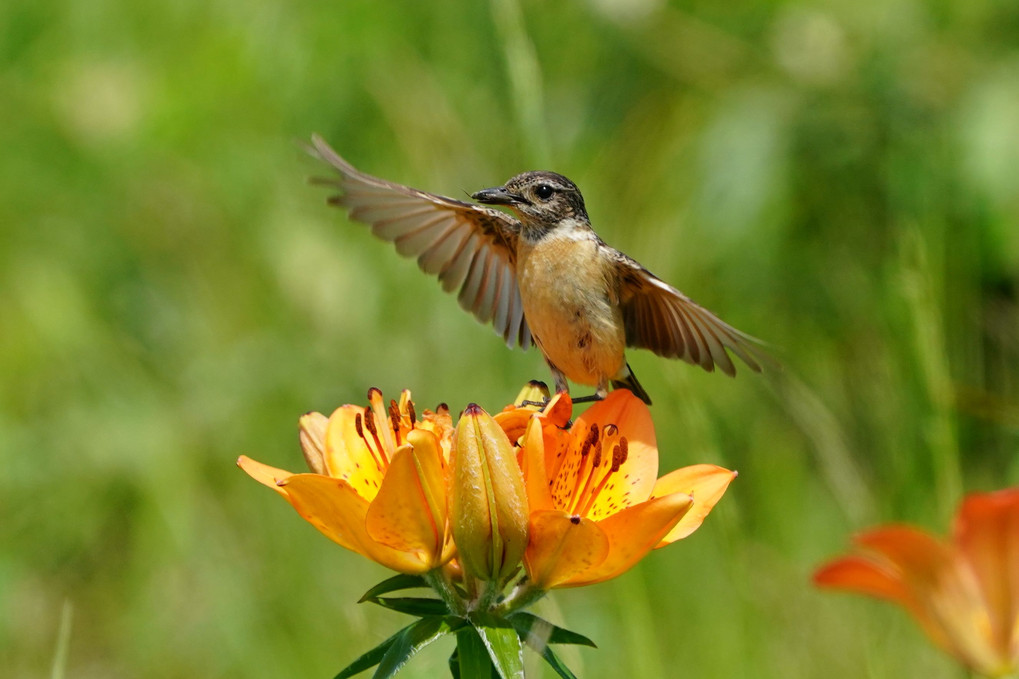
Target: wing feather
[[659, 317], [469, 247]]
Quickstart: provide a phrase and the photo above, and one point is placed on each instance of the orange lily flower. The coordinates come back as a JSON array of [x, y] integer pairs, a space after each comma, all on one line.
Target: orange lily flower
[[377, 485], [964, 592], [597, 506]]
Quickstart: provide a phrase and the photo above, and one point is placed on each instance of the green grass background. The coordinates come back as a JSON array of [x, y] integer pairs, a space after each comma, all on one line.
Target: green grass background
[[838, 178]]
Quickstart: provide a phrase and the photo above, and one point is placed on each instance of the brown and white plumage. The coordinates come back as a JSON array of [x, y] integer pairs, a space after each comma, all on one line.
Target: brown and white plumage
[[471, 248], [582, 297]]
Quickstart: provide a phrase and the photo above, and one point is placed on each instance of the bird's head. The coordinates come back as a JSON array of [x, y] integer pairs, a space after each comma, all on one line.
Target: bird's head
[[542, 201]]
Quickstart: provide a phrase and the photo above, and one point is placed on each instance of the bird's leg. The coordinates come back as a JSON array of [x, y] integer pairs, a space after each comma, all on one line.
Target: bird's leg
[[590, 398], [561, 385], [599, 395]]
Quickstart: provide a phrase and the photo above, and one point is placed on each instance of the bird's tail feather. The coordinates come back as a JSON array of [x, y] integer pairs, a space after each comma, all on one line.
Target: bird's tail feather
[[630, 382]]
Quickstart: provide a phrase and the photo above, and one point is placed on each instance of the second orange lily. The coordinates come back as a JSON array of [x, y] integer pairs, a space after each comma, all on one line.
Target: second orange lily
[[964, 592], [597, 506]]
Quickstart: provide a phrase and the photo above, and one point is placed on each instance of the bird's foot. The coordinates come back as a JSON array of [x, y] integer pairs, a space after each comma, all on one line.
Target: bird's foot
[[540, 404], [593, 398]]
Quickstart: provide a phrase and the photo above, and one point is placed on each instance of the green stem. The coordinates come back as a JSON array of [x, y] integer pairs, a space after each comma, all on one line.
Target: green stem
[[522, 597], [486, 597], [439, 582]]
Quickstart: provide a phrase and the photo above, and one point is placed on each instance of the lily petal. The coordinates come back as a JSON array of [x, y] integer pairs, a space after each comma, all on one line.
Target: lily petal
[[338, 511], [632, 533], [920, 556], [409, 512], [865, 576], [561, 546], [347, 455], [532, 464], [313, 433], [263, 473], [899, 563], [987, 534], [636, 477], [706, 483]]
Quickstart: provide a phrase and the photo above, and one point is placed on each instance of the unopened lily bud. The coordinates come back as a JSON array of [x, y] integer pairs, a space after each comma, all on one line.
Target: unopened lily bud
[[488, 502], [533, 392]]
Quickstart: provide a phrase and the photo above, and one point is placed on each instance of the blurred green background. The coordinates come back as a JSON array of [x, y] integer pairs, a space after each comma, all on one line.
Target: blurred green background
[[838, 178]]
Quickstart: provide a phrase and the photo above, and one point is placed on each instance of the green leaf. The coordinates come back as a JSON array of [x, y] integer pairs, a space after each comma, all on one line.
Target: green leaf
[[553, 660], [419, 606], [476, 663], [536, 632], [369, 659], [409, 641], [397, 582], [503, 645], [454, 661]]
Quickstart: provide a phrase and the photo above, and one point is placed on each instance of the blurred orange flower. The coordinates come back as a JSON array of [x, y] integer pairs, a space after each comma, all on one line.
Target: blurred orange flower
[[597, 506], [378, 483], [964, 592]]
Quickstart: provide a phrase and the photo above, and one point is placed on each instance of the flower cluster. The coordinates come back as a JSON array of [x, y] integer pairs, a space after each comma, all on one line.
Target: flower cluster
[[490, 513], [574, 505]]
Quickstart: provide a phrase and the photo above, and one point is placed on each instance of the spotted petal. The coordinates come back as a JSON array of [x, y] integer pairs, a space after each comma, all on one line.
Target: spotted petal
[[632, 533], [409, 512], [339, 512], [561, 546], [705, 483]]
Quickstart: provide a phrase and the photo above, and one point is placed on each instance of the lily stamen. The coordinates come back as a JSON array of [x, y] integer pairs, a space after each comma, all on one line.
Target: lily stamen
[[379, 452], [583, 472], [620, 451], [378, 406], [394, 419]]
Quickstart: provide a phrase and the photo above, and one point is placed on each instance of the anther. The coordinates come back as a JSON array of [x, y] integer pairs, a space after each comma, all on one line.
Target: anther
[[619, 454], [394, 419], [369, 421], [410, 411]]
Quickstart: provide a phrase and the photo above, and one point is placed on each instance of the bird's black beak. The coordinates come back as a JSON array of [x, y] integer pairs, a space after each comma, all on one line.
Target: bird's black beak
[[497, 196]]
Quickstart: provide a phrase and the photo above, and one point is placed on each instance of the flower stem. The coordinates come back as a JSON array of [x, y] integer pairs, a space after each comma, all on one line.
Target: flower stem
[[522, 597], [439, 582]]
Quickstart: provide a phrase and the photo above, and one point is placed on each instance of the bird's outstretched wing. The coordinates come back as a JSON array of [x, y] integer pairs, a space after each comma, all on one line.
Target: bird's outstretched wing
[[469, 247], [659, 317]]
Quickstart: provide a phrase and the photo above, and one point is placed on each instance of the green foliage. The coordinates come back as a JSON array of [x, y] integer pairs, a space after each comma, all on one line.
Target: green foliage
[[835, 178]]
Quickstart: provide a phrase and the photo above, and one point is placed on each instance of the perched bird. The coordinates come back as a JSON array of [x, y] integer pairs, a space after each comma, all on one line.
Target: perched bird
[[544, 277]]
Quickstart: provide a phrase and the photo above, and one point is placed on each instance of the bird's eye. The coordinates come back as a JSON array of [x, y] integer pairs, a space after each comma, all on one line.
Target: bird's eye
[[544, 191]]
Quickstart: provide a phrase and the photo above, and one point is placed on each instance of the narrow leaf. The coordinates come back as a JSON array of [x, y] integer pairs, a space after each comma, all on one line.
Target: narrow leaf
[[555, 663], [454, 662], [535, 631], [409, 641], [503, 644], [369, 659], [473, 661], [419, 606], [397, 582]]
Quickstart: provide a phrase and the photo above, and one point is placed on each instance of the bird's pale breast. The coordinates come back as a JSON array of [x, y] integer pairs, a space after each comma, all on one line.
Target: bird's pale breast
[[570, 307]]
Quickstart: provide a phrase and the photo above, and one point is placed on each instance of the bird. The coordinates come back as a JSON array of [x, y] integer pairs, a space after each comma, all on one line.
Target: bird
[[542, 276]]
